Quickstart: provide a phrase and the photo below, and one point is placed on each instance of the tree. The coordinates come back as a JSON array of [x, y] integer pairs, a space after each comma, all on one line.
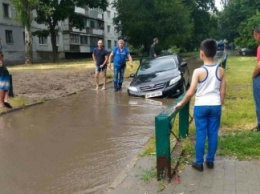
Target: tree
[[246, 30], [50, 12], [142, 20], [24, 10], [236, 12]]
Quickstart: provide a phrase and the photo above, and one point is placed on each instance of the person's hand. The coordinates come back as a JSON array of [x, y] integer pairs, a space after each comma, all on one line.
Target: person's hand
[[178, 106]]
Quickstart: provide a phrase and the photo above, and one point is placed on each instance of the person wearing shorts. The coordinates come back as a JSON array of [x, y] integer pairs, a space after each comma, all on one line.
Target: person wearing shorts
[[4, 83], [100, 58]]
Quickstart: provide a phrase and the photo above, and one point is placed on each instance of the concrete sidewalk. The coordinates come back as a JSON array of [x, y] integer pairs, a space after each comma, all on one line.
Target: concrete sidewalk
[[228, 177]]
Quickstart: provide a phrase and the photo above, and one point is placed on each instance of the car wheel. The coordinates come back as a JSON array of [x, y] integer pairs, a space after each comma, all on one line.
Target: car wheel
[[243, 53]]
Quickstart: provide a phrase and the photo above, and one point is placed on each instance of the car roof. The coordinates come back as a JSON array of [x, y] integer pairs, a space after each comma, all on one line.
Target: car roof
[[164, 57]]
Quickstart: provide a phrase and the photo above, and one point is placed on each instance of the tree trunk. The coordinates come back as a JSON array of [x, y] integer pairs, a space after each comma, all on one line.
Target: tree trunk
[[54, 45], [28, 45]]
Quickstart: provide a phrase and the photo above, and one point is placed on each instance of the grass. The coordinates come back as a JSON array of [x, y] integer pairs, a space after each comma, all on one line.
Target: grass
[[238, 116], [18, 102]]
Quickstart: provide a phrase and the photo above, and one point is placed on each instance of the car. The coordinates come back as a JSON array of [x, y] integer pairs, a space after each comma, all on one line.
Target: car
[[220, 46], [248, 51], [164, 76]]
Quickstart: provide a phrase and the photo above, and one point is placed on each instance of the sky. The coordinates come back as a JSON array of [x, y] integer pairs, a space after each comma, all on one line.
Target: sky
[[218, 4]]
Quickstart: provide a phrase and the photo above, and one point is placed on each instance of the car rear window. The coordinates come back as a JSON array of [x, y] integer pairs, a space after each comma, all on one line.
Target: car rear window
[[157, 65]]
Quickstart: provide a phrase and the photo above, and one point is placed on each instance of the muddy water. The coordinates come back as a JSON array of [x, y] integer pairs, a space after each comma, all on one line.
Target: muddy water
[[76, 144]]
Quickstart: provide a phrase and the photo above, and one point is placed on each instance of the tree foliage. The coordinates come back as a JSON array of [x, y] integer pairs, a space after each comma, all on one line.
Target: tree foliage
[[234, 18], [142, 20], [24, 15], [246, 30], [181, 23], [50, 12]]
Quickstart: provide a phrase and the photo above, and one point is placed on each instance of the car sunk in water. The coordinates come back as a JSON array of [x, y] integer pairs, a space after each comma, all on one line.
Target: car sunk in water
[[166, 76]]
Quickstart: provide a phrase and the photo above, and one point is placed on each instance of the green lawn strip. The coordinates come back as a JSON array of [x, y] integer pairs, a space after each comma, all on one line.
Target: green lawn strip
[[17, 102], [238, 116]]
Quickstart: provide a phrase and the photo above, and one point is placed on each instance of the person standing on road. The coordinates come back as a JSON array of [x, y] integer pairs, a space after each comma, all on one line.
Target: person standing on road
[[100, 59], [152, 53], [120, 53], [208, 82], [256, 79]]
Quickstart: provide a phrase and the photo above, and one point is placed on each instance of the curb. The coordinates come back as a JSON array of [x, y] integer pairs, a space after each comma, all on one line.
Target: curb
[[176, 155]]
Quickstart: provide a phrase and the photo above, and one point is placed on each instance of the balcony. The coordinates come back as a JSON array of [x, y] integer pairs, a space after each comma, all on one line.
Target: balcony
[[94, 31], [80, 10]]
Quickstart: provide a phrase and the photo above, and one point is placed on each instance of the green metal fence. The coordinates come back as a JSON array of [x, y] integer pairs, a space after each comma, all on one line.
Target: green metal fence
[[223, 60], [163, 130]]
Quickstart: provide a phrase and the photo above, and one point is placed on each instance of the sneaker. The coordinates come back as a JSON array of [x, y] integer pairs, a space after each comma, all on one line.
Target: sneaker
[[116, 90], [7, 105], [210, 165], [198, 167], [119, 88]]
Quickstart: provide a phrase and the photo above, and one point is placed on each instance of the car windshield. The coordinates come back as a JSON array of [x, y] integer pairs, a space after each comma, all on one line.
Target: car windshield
[[156, 65]]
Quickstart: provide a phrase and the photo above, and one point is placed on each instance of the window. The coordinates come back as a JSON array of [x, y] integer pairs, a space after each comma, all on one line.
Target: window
[[108, 29], [109, 44], [93, 41], [42, 40], [92, 24], [6, 10], [9, 36], [74, 39], [108, 14], [115, 43], [83, 40]]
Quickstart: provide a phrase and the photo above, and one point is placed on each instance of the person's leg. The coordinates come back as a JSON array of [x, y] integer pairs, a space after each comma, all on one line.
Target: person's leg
[[2, 97], [104, 73], [213, 128], [116, 72], [6, 96], [256, 91], [97, 77], [121, 78], [201, 122]]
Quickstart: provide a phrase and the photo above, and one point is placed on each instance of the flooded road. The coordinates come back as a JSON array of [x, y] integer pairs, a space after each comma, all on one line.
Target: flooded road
[[76, 144]]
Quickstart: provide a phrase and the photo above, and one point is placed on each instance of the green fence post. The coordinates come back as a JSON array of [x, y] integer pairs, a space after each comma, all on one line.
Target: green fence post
[[184, 121], [163, 153]]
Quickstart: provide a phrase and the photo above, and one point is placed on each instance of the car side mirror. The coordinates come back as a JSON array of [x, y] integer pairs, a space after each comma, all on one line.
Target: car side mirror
[[132, 75], [184, 63]]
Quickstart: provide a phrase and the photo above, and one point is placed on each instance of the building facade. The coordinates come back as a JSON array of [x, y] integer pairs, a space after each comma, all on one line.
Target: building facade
[[11, 33], [72, 42], [111, 34]]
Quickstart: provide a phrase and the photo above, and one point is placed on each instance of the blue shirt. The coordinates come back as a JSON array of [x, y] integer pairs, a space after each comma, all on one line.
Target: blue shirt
[[120, 56]]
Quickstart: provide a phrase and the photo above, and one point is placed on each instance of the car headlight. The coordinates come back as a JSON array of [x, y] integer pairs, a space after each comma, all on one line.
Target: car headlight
[[133, 89], [174, 80]]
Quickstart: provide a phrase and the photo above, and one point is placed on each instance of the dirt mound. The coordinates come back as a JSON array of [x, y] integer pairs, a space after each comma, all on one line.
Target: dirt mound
[[52, 83]]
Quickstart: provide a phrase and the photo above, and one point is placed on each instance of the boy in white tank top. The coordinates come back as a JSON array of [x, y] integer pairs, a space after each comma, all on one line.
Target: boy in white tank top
[[208, 82]]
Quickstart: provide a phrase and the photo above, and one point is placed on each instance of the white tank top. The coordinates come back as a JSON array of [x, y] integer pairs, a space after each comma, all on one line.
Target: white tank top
[[208, 90]]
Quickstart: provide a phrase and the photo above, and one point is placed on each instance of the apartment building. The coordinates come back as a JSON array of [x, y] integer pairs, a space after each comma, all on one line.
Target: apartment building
[[72, 42], [11, 33], [111, 34]]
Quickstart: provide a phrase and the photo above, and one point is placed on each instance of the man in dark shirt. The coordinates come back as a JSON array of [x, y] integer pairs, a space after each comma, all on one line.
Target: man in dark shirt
[[100, 58], [152, 52]]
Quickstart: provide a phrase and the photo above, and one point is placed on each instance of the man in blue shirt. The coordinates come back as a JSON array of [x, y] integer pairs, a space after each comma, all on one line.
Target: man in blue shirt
[[120, 53], [100, 58]]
